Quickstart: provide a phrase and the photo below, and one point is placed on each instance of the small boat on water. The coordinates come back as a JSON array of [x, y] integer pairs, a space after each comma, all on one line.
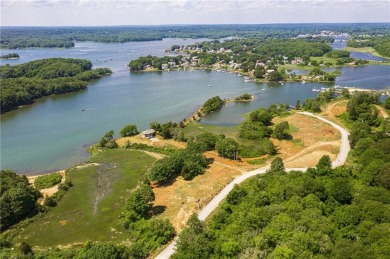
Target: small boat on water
[[315, 90], [210, 85], [263, 89], [83, 110]]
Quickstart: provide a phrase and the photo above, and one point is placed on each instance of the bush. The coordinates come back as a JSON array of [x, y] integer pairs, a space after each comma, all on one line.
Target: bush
[[129, 130], [47, 181], [190, 170], [212, 104]]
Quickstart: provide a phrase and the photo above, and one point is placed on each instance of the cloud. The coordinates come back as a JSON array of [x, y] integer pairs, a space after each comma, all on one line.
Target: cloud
[[112, 12]]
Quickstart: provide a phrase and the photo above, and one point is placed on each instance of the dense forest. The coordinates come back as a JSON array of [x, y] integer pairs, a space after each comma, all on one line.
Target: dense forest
[[323, 213], [64, 37], [22, 84]]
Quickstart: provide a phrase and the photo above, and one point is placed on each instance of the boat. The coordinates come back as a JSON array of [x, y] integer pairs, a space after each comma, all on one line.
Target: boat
[[210, 85], [316, 90], [83, 110], [263, 89]]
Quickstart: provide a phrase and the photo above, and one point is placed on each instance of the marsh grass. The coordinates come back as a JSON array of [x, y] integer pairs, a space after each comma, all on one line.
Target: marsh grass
[[76, 219]]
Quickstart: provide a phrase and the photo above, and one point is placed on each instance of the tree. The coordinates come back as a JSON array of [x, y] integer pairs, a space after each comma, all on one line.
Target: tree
[[298, 105], [140, 200], [235, 195], [18, 198], [100, 250], [261, 115], [208, 139], [190, 170], [25, 249], [277, 166], [129, 130], [275, 76], [194, 242], [254, 130], [227, 148], [281, 130], [341, 190], [386, 103], [108, 140], [324, 165], [383, 177]]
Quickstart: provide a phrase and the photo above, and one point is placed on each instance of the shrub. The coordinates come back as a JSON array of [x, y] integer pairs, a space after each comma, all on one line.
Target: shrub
[[47, 181]]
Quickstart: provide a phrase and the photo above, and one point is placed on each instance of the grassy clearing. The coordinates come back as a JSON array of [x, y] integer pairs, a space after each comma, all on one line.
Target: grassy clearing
[[260, 161], [196, 128], [75, 219], [47, 181]]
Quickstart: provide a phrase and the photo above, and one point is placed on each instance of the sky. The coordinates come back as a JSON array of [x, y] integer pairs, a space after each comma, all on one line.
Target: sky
[[158, 12]]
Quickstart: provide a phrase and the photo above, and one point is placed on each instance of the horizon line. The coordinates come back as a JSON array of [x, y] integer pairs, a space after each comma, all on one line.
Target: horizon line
[[191, 24]]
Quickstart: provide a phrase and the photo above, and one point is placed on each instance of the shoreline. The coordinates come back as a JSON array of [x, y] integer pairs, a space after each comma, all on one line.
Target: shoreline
[[198, 114]]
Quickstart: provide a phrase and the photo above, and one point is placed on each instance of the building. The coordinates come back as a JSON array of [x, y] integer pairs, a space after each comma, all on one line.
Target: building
[[149, 133]]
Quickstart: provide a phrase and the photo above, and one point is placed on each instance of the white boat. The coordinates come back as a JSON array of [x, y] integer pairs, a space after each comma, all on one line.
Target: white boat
[[316, 90]]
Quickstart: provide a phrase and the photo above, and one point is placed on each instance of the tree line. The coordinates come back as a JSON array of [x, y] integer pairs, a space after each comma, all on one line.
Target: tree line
[[9, 56], [64, 37], [22, 84], [380, 44]]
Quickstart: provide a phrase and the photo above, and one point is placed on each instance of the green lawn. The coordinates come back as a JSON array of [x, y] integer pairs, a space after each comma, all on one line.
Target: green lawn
[[81, 215], [196, 128]]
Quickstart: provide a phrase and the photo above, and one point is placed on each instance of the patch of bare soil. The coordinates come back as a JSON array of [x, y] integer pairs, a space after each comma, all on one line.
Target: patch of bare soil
[[48, 191], [181, 199], [157, 142], [312, 139], [335, 109], [309, 135]]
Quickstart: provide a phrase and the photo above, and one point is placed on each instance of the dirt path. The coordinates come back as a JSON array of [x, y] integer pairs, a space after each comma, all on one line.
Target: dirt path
[[335, 109], [213, 204], [309, 156], [155, 155], [230, 166], [48, 192], [382, 112]]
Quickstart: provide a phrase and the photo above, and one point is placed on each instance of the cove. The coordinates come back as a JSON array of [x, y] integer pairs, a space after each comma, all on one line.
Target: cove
[[54, 132]]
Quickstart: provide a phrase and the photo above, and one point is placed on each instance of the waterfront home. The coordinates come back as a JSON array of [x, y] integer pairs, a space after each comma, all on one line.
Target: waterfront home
[[149, 133]]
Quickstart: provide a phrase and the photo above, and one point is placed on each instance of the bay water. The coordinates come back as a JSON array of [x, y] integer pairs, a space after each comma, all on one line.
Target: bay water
[[53, 133]]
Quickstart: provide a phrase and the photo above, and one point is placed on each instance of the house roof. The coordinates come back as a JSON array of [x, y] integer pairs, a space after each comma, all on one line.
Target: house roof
[[148, 131]]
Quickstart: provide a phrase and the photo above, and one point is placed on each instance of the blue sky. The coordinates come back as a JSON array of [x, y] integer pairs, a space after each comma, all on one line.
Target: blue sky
[[155, 12]]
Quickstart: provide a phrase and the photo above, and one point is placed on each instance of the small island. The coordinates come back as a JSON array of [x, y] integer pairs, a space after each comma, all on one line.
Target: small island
[[10, 56]]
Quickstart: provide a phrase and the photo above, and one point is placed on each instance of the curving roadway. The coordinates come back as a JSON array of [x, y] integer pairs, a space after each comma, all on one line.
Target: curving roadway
[[213, 204]]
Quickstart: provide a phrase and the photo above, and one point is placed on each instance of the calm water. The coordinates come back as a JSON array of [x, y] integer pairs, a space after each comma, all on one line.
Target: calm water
[[340, 43], [52, 133]]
